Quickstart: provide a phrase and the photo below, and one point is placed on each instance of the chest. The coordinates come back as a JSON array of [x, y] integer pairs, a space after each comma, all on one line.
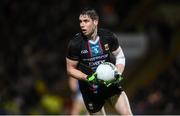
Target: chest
[[92, 49], [94, 53]]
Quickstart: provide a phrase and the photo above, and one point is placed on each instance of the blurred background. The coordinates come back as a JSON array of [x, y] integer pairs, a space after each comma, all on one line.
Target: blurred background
[[34, 36]]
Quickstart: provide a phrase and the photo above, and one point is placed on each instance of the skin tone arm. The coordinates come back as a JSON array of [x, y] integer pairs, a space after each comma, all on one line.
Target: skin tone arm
[[73, 84], [120, 67], [72, 71]]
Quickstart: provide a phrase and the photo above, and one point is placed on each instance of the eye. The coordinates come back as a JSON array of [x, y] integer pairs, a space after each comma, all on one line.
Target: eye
[[86, 21]]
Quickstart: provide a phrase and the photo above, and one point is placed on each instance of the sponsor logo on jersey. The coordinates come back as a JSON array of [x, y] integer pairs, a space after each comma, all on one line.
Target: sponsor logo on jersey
[[84, 51], [106, 46], [96, 63], [90, 106]]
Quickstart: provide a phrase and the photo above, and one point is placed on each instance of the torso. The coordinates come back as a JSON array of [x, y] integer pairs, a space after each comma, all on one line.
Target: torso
[[92, 53]]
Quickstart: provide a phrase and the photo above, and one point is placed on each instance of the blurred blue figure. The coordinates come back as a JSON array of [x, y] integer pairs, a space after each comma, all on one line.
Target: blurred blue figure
[[78, 106]]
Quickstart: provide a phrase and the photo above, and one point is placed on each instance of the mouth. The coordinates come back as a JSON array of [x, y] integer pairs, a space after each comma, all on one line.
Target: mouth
[[83, 30]]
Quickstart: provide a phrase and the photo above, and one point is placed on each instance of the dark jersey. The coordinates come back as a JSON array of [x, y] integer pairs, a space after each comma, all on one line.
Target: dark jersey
[[91, 54]]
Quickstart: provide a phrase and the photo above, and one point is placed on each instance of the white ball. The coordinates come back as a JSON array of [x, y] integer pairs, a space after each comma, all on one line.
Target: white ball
[[106, 71]]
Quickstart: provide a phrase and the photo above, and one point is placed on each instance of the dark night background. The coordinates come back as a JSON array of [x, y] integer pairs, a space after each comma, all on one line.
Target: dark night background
[[34, 36]]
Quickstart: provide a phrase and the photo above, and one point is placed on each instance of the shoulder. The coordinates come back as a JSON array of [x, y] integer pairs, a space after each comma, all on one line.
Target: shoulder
[[76, 39], [105, 32], [107, 35], [74, 47]]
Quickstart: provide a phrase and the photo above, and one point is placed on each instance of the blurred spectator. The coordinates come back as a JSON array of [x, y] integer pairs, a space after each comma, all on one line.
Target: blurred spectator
[[162, 96], [160, 34], [78, 106]]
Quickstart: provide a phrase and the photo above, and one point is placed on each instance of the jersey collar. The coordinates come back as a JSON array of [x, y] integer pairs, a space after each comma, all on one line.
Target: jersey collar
[[94, 42]]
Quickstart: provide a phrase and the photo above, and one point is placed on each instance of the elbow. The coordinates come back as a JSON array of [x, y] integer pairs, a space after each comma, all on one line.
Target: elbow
[[69, 72]]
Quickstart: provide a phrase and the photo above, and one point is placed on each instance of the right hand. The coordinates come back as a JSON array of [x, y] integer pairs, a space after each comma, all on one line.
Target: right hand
[[92, 78]]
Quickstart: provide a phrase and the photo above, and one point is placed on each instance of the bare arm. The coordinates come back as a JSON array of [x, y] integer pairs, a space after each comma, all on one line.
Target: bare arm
[[120, 59], [73, 71], [73, 84]]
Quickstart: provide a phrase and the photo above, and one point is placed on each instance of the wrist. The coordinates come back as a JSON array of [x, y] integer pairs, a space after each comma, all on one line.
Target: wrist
[[83, 77], [86, 78], [91, 78]]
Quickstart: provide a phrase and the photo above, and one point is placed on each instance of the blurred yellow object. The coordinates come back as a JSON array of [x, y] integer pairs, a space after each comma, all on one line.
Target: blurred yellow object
[[53, 104], [12, 107], [41, 87]]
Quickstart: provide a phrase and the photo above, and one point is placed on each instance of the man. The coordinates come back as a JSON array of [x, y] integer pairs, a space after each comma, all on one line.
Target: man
[[88, 49]]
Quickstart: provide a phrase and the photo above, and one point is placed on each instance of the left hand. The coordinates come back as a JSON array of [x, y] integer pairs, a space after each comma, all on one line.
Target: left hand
[[118, 79]]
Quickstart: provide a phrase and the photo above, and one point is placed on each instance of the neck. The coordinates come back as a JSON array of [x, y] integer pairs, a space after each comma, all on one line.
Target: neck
[[93, 36]]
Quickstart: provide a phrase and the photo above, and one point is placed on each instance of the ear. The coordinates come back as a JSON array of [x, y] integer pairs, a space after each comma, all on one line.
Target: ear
[[96, 22]]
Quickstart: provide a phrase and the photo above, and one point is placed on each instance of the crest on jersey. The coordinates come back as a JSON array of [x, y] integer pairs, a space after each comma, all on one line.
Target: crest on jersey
[[106, 46]]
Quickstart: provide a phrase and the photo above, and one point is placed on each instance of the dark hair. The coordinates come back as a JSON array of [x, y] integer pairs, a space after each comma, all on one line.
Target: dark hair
[[90, 12]]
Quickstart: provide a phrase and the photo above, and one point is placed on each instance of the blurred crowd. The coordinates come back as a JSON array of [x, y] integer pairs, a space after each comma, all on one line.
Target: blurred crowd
[[161, 97], [34, 37], [33, 76]]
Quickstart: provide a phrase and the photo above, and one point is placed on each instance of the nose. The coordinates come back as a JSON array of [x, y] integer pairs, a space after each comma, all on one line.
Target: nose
[[81, 24]]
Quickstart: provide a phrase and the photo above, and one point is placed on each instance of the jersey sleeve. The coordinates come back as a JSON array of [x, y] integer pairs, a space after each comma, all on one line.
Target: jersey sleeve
[[73, 50], [114, 42]]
